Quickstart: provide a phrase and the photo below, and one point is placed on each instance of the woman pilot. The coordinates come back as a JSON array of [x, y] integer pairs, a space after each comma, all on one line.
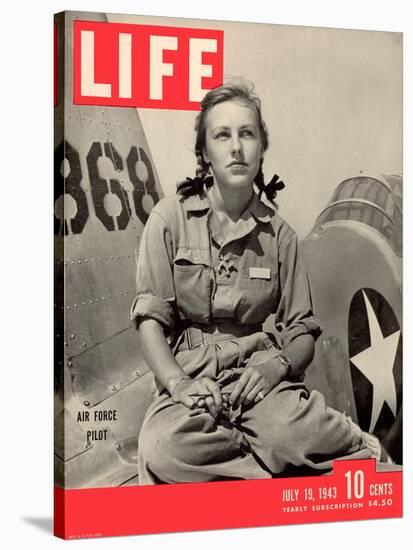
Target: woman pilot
[[215, 261]]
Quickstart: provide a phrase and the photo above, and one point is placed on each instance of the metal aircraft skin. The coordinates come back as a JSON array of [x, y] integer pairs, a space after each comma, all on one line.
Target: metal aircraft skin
[[105, 187], [353, 257]]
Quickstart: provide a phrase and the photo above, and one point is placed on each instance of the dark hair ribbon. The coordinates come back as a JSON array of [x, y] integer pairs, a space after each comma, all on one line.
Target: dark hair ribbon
[[193, 186], [275, 185]]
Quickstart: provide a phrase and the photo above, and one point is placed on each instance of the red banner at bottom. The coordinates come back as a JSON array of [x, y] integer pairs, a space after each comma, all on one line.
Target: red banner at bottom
[[353, 491]]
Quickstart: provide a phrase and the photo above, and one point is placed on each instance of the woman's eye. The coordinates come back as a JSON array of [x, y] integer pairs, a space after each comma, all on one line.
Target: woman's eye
[[247, 133], [222, 135]]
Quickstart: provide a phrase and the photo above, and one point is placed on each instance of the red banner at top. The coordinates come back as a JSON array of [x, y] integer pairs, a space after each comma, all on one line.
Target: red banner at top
[[124, 65]]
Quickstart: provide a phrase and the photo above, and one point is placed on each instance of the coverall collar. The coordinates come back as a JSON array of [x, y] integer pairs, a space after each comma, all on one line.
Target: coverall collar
[[259, 210]]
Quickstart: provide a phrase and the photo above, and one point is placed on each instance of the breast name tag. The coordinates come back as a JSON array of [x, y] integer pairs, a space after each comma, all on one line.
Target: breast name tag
[[260, 273]]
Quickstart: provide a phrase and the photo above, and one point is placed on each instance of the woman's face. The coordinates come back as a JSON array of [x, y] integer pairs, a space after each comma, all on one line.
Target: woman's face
[[233, 143]]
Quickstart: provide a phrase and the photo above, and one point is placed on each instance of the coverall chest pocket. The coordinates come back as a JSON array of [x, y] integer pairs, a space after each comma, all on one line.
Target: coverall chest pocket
[[259, 296], [192, 279]]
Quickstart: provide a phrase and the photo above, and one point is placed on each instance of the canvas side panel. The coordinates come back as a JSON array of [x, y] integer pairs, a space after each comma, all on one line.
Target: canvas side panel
[[58, 161]]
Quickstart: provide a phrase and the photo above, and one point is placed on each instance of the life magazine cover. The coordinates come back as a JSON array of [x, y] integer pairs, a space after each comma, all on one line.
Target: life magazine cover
[[228, 274]]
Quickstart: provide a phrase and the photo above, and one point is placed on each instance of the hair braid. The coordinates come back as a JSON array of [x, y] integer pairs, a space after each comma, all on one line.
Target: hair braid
[[259, 180], [202, 167]]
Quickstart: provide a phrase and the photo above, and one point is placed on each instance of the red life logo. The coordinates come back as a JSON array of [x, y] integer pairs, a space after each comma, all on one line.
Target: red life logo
[[124, 65]]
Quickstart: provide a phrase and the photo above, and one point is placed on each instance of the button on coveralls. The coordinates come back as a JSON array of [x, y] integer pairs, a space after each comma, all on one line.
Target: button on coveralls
[[211, 293]]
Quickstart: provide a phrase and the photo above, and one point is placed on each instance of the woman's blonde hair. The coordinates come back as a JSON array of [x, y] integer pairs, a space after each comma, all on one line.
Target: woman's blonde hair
[[240, 90]]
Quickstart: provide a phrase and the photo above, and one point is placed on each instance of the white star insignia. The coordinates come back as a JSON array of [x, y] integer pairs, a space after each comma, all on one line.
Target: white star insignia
[[376, 363]]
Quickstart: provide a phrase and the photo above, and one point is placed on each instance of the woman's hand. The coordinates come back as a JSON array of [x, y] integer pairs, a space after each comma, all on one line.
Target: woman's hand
[[257, 380], [201, 392]]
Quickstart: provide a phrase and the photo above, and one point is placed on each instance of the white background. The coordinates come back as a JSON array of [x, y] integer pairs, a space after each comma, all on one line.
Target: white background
[[27, 276]]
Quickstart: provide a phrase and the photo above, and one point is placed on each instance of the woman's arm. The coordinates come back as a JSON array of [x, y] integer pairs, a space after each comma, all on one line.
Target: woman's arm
[[264, 370], [300, 352], [181, 387], [158, 354], [153, 315]]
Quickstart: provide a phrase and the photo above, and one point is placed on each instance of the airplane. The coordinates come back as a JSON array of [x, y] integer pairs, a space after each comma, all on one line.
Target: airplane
[[353, 257], [105, 186]]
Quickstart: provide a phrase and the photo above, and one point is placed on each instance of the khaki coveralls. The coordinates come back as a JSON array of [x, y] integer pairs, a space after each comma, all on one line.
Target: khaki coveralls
[[211, 293]]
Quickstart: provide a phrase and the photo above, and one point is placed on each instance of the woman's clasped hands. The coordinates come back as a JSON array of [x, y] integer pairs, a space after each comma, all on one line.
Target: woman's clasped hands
[[198, 392], [260, 375]]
